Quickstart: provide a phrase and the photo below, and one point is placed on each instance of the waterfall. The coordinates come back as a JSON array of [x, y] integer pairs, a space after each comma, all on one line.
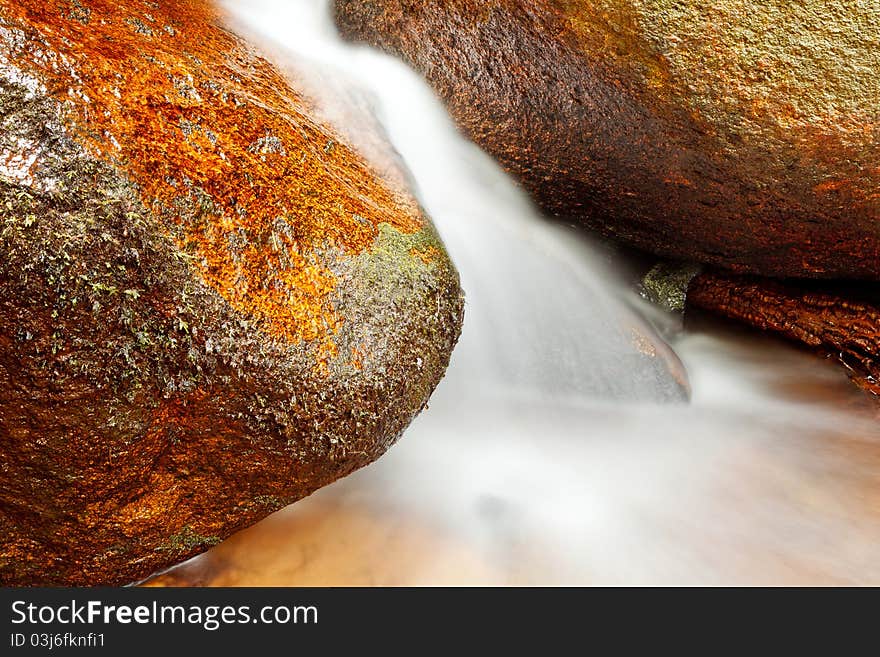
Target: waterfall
[[555, 451]]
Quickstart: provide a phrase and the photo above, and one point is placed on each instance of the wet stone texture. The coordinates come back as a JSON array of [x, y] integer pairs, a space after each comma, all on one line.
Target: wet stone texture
[[739, 133], [210, 304], [842, 321]]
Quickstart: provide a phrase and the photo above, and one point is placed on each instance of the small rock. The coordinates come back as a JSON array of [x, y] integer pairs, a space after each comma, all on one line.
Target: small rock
[[666, 284], [842, 321]]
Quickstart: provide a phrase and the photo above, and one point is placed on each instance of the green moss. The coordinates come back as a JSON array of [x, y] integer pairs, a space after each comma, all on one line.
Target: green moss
[[187, 540], [667, 283], [408, 253], [396, 279]]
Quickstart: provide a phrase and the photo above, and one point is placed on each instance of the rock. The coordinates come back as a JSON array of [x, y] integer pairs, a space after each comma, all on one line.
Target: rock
[[743, 134], [666, 284], [210, 304], [842, 321]]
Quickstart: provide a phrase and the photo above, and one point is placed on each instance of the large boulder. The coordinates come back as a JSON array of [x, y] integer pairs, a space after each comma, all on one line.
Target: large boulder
[[741, 133], [210, 303]]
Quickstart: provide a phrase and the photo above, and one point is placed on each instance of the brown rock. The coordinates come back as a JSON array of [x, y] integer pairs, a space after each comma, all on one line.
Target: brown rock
[[843, 322], [740, 133], [210, 304]]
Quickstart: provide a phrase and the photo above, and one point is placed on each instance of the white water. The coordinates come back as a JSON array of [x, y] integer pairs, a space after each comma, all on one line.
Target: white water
[[539, 461]]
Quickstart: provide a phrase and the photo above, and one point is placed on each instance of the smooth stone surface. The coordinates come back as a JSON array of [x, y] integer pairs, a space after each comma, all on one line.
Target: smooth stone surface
[[738, 133]]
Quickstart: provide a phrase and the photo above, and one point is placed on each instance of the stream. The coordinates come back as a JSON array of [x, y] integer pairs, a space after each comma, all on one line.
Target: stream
[[556, 451]]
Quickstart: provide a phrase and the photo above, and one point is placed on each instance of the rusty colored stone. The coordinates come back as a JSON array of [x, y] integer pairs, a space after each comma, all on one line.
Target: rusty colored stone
[[211, 304], [842, 321], [739, 133]]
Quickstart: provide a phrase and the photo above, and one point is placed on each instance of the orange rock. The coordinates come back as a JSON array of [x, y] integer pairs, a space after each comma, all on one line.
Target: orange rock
[[842, 321], [211, 304], [739, 133]]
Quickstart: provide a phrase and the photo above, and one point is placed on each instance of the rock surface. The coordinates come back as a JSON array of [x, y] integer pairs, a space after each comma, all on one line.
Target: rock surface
[[841, 321], [740, 133], [210, 304]]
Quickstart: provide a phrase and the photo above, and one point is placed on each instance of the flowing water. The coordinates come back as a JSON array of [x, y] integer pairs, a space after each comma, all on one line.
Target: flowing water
[[558, 449]]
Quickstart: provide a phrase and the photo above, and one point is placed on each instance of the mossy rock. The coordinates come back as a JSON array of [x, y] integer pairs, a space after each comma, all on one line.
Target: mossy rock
[[206, 313]]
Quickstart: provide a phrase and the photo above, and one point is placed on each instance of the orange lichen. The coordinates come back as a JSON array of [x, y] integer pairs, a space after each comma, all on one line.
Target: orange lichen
[[327, 351], [427, 254], [219, 145], [830, 186], [675, 178], [162, 494], [357, 358]]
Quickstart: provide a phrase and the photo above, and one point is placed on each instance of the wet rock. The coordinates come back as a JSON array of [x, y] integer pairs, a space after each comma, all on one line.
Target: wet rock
[[666, 284], [842, 321], [743, 134], [210, 304]]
